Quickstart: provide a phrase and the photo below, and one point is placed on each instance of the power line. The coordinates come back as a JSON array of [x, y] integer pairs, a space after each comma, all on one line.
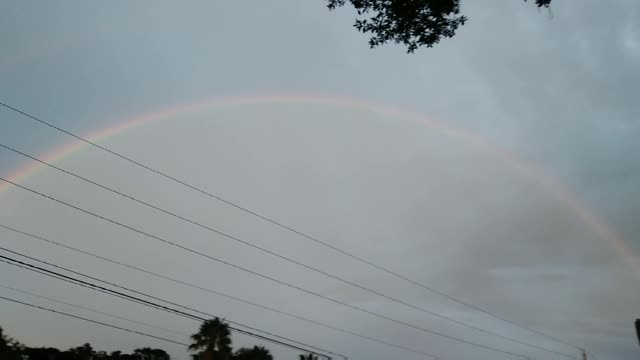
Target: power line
[[157, 307], [310, 292], [92, 286], [45, 272], [301, 318], [150, 303], [287, 227], [125, 296], [282, 257], [91, 309], [92, 321]]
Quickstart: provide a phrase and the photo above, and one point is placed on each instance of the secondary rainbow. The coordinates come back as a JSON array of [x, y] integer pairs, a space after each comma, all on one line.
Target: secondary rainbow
[[522, 166]]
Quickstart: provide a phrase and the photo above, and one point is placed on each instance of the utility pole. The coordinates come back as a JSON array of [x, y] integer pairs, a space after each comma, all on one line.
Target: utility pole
[[638, 329], [584, 355]]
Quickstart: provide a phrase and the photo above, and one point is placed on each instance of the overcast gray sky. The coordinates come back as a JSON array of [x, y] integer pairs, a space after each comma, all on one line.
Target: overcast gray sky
[[557, 89]]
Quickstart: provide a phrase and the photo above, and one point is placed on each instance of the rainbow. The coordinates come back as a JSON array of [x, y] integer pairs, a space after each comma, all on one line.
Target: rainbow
[[518, 164]]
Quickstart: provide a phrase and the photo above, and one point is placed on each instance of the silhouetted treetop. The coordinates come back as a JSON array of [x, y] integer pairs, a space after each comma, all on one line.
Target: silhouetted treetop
[[214, 337], [414, 23], [307, 357], [255, 353], [153, 354], [9, 348]]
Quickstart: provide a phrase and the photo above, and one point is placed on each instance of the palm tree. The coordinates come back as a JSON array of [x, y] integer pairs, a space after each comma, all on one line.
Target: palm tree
[[213, 337], [255, 353]]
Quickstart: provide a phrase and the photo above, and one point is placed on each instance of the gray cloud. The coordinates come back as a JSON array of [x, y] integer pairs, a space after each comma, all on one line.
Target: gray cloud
[[556, 90]]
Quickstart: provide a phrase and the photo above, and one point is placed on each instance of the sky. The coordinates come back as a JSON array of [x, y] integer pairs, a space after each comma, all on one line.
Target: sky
[[497, 167]]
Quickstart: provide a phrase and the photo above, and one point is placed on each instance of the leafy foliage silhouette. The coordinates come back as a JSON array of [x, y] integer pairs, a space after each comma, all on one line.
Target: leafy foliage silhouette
[[153, 354], [254, 353], [9, 348], [414, 23], [213, 337], [211, 342], [307, 357]]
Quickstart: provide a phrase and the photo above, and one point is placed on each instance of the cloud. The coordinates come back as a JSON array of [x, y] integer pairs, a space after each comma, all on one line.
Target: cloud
[[557, 90]]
